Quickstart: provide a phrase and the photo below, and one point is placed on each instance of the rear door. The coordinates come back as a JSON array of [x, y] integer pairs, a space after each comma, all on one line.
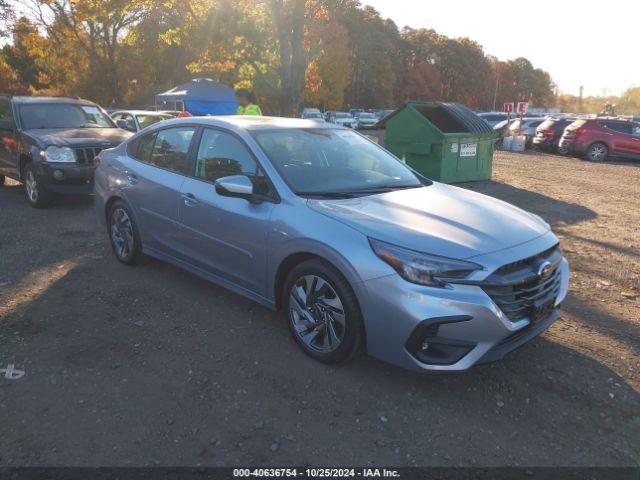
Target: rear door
[[620, 135], [155, 175], [223, 235], [635, 145]]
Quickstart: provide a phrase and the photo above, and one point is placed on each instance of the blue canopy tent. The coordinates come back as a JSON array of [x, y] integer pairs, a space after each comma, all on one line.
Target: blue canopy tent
[[200, 96]]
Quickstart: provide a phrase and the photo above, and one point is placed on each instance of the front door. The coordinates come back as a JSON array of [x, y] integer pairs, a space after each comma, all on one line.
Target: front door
[[154, 180], [226, 236]]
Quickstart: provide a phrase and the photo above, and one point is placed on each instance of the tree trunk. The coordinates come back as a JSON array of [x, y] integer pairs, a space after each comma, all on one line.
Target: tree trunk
[[289, 20]]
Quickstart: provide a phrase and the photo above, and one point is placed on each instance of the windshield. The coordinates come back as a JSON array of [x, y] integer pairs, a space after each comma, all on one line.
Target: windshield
[[146, 120], [333, 161], [62, 115], [342, 115], [366, 115], [313, 115]]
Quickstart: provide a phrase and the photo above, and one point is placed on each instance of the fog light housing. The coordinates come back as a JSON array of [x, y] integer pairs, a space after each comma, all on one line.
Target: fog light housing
[[58, 174], [427, 346]]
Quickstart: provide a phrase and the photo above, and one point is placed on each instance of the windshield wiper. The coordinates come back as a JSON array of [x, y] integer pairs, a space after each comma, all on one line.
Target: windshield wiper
[[386, 188], [328, 194]]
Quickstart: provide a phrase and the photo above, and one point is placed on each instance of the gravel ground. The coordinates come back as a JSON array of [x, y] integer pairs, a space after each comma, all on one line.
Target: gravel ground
[[154, 366]]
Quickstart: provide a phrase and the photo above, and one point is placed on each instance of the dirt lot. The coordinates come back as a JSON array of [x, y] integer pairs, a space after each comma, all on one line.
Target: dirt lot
[[154, 366]]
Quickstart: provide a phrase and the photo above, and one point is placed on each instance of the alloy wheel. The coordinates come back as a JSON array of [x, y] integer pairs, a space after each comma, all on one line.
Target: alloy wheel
[[317, 314], [31, 186], [121, 233], [598, 153]]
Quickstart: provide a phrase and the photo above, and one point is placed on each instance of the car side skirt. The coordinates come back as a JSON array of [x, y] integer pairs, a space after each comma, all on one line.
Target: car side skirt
[[213, 278]]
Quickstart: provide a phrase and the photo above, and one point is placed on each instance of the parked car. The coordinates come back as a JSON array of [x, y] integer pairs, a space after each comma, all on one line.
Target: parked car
[[383, 113], [526, 127], [50, 143], [492, 118], [355, 248], [341, 118], [365, 119], [502, 129], [136, 120], [600, 138], [312, 114], [549, 132]]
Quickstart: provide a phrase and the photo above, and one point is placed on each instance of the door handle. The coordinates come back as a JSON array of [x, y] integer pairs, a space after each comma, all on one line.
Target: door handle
[[189, 199]]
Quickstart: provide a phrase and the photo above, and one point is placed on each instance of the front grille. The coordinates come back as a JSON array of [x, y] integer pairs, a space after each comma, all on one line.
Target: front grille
[[86, 155], [518, 289]]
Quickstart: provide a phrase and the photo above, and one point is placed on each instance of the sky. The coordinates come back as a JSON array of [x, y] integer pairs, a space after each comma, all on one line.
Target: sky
[[586, 43]]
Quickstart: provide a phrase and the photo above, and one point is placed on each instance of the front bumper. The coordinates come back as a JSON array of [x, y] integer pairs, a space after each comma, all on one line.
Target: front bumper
[[70, 179], [466, 323]]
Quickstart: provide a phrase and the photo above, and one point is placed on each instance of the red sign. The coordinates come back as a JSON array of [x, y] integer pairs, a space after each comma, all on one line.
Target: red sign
[[508, 108], [522, 107]]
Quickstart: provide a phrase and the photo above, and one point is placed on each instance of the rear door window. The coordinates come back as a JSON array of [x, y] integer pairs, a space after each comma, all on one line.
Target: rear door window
[[171, 147], [618, 127]]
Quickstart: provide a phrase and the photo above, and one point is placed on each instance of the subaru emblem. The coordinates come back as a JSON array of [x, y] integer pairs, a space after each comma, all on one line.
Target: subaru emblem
[[545, 270]]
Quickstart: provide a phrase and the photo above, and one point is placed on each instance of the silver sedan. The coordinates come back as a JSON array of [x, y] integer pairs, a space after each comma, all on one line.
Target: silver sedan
[[357, 250]]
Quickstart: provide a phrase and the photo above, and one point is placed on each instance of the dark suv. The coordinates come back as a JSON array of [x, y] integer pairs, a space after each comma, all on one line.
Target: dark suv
[[599, 138], [50, 143], [549, 132]]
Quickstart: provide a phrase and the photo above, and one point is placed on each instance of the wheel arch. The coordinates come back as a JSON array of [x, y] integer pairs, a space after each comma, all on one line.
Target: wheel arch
[[285, 266], [288, 261], [115, 198], [594, 142]]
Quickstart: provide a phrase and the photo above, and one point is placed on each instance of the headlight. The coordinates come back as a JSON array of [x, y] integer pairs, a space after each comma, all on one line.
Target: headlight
[[422, 268], [60, 154]]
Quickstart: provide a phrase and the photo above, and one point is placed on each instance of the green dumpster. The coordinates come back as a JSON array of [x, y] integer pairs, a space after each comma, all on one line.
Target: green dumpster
[[446, 142]]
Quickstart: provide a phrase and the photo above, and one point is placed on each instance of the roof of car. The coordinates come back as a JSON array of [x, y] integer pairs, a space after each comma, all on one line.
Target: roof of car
[[141, 112], [26, 99], [252, 122]]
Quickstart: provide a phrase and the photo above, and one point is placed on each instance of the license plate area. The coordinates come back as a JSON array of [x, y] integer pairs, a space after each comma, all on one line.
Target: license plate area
[[542, 311]]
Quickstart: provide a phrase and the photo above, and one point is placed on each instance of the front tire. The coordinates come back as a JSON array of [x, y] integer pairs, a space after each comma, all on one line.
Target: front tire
[[36, 194], [598, 152], [123, 234], [2, 180], [322, 312]]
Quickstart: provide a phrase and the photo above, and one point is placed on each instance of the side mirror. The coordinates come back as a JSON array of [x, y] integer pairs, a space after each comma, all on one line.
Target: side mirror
[[122, 123], [239, 186]]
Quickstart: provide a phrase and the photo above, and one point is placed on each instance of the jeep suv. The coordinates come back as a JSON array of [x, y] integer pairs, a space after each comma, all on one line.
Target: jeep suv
[[600, 138], [50, 143]]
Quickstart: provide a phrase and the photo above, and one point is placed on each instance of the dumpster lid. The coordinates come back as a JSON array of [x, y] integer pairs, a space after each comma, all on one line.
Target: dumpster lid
[[448, 117]]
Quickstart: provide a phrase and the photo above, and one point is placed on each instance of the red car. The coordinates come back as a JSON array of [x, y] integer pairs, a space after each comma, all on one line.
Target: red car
[[600, 138]]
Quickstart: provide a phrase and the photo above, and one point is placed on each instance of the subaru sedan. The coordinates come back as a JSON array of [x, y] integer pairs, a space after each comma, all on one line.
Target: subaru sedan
[[359, 252]]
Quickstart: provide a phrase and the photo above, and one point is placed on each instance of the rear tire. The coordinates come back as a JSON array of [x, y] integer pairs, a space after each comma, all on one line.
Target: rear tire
[[598, 152], [37, 195], [123, 234], [322, 312], [2, 180]]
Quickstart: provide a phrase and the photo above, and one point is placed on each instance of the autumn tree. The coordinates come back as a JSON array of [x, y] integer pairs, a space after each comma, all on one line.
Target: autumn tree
[[329, 75], [25, 52], [96, 28], [6, 17]]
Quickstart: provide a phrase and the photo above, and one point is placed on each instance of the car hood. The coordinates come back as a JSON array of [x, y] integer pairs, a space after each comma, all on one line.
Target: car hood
[[79, 136], [438, 219]]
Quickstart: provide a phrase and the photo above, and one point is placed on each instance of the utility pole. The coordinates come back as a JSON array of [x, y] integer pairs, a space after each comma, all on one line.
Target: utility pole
[[580, 101], [495, 93]]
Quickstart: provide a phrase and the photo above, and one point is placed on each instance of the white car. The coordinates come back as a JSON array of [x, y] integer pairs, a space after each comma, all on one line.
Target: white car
[[342, 118]]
